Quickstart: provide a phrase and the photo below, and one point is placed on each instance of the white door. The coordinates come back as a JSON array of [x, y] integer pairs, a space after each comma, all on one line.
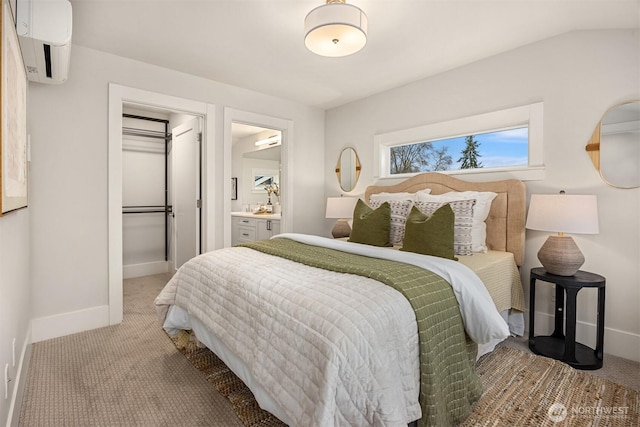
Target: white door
[[185, 190]]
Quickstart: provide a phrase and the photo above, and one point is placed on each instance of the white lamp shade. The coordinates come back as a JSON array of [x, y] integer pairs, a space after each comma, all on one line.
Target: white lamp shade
[[563, 213], [340, 207], [335, 29]]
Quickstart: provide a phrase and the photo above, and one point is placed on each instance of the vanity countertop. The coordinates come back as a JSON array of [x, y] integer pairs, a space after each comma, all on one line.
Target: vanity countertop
[[252, 215]]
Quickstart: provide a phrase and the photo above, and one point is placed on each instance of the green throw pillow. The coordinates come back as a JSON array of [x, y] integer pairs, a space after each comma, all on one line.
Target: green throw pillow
[[430, 235], [371, 226]]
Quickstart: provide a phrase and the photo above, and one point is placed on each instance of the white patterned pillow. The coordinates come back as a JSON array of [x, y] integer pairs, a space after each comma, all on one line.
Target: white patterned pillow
[[480, 211], [399, 212], [463, 211]]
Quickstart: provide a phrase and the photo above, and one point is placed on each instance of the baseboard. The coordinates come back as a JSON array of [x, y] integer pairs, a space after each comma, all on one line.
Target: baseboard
[[616, 342], [145, 269], [59, 325], [21, 379]]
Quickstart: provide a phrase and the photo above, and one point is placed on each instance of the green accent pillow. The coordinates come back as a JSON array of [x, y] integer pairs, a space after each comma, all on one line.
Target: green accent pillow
[[371, 226], [430, 235]]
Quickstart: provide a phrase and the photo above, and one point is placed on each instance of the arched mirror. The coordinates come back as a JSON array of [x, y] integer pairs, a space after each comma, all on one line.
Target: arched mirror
[[614, 147], [348, 169]]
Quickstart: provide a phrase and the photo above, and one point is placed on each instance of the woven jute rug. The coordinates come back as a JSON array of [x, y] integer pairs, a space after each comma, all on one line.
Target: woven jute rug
[[520, 389]]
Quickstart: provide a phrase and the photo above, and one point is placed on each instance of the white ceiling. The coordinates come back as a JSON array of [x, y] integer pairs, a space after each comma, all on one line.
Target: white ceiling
[[258, 44]]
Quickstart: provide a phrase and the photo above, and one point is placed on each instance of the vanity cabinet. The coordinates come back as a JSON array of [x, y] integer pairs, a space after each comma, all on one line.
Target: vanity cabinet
[[267, 228], [249, 229]]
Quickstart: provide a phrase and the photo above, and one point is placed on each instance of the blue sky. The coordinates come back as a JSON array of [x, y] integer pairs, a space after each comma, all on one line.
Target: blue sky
[[498, 149]]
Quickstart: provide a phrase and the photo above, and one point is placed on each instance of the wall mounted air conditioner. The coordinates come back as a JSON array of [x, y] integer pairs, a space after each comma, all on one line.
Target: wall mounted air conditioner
[[44, 31]]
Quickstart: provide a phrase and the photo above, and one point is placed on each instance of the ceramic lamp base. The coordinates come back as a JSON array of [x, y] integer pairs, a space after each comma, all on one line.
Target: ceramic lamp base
[[341, 229], [561, 256]]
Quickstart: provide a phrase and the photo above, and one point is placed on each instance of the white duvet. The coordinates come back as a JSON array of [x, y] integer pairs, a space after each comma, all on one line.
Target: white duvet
[[330, 348]]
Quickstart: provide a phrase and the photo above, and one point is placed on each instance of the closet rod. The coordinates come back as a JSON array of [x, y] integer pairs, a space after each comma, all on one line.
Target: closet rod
[[146, 133], [151, 119], [138, 212], [146, 206]]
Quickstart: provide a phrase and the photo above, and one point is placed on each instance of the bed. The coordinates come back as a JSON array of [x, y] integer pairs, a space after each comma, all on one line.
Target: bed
[[330, 332]]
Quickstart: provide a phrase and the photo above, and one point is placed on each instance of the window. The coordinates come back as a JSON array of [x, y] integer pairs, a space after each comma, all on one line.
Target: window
[[505, 143]]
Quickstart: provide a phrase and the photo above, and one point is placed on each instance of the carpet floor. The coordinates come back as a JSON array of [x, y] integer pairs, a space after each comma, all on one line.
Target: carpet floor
[[132, 375], [123, 375]]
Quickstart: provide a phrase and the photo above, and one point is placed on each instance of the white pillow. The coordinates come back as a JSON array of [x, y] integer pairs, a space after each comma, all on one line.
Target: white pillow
[[480, 212], [387, 197], [399, 211]]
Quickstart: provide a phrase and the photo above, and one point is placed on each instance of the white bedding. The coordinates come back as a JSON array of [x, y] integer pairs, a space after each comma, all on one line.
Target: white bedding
[[327, 348]]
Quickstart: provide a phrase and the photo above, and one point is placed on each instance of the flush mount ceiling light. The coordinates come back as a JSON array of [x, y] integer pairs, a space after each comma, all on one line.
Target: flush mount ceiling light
[[335, 29]]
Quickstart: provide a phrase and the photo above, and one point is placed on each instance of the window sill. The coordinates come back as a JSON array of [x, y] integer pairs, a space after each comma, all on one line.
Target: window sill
[[493, 174]]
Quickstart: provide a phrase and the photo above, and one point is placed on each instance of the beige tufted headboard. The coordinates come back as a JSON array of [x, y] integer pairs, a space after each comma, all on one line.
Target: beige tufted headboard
[[505, 224]]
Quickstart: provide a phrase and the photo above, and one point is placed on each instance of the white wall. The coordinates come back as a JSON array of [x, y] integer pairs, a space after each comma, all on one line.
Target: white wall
[[15, 303], [15, 294], [68, 127], [578, 76]]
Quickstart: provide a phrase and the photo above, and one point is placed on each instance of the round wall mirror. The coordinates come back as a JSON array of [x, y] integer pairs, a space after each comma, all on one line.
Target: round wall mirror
[[348, 169], [614, 147]]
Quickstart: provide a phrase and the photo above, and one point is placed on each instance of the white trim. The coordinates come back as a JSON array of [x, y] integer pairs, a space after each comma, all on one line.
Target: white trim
[[58, 325], [117, 96], [616, 342], [232, 115], [531, 115], [145, 269]]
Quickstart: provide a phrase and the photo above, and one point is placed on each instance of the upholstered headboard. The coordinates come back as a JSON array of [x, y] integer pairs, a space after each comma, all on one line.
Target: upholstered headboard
[[505, 223]]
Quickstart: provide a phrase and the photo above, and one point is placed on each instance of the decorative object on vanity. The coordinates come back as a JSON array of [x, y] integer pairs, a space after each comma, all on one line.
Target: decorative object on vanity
[[335, 29], [557, 345], [340, 208], [562, 213], [274, 189], [614, 147], [348, 169]]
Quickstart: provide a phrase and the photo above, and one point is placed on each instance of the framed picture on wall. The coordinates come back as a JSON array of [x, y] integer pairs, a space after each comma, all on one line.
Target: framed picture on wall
[[234, 188], [13, 108]]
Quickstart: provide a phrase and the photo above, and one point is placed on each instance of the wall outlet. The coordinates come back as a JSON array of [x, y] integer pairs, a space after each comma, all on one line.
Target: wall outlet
[[6, 381]]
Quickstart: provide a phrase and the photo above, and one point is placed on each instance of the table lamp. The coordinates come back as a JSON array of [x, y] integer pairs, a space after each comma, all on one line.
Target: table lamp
[[341, 208], [562, 213]]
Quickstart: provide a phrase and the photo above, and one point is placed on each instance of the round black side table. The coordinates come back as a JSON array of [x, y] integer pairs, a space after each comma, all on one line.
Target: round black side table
[[558, 345]]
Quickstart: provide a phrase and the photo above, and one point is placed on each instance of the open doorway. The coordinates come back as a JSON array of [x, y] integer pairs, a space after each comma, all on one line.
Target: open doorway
[[161, 190], [256, 164], [256, 169], [180, 110], [258, 151]]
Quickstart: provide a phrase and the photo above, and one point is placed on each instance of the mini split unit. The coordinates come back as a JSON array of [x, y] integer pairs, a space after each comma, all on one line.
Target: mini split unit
[[44, 31]]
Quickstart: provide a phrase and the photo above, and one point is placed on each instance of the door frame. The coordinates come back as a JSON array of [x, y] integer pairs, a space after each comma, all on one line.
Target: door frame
[[119, 95], [285, 126]]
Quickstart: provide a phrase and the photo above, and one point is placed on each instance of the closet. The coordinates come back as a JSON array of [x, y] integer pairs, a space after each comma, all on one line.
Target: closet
[[146, 208], [161, 190]]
